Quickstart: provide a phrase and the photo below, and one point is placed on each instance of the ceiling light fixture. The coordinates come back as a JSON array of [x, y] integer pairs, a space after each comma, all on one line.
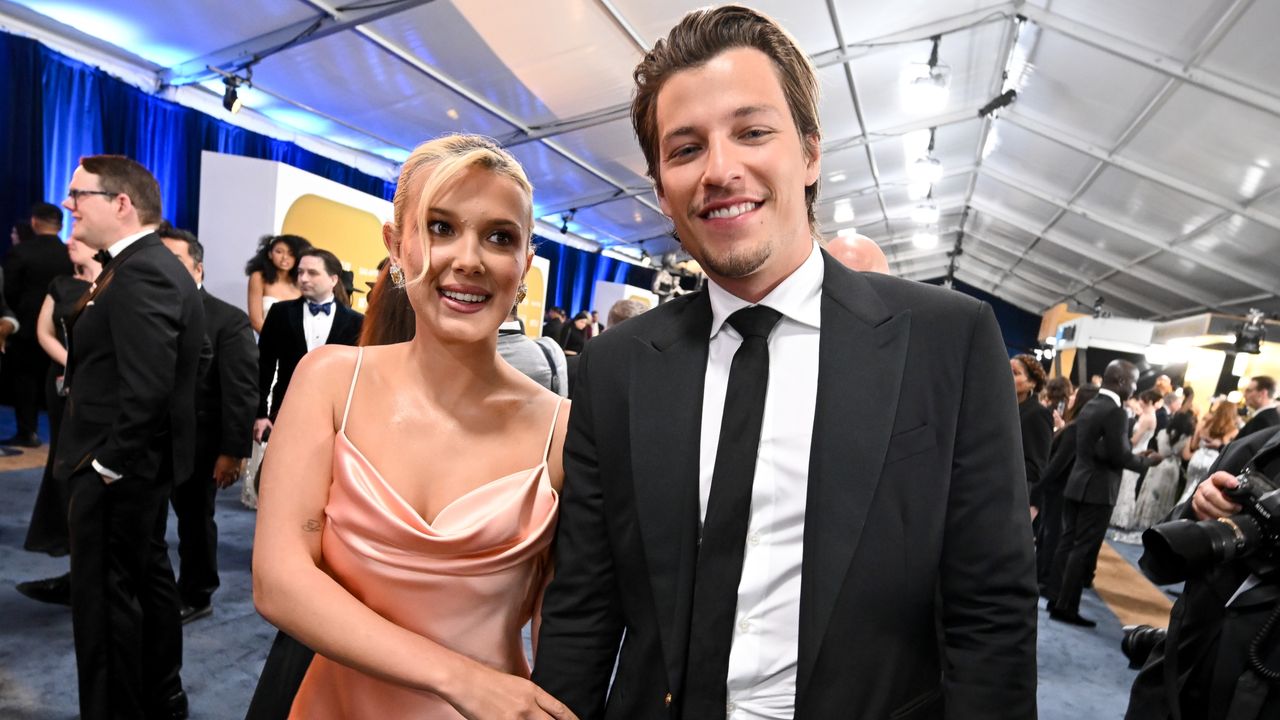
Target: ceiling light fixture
[[925, 168], [919, 190], [843, 212], [565, 219], [925, 239], [926, 213], [927, 85]]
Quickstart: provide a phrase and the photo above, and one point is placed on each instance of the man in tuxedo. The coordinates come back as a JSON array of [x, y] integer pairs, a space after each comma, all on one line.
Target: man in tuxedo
[[226, 399], [554, 324], [128, 429], [28, 270], [294, 328], [1103, 450], [1259, 397], [790, 495]]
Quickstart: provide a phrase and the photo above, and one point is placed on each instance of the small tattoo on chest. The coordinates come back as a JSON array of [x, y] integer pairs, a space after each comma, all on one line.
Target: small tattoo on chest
[[312, 526]]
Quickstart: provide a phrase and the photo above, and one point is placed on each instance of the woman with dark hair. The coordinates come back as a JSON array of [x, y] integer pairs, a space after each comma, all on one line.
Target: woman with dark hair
[[1057, 393], [273, 274], [21, 232], [1048, 494], [1037, 421]]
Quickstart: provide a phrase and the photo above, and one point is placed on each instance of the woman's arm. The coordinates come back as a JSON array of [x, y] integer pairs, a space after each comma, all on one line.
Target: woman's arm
[[1140, 428], [256, 289], [47, 334], [293, 593]]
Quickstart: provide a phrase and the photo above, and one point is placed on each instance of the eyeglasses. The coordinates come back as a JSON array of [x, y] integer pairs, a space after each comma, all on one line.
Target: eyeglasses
[[74, 195]]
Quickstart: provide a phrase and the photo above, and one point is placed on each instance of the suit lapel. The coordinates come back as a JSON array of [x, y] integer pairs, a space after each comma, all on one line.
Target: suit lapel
[[666, 419], [861, 357], [295, 322], [338, 327]]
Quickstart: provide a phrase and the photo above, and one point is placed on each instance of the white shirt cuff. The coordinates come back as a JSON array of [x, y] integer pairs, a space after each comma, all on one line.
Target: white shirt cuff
[[109, 476]]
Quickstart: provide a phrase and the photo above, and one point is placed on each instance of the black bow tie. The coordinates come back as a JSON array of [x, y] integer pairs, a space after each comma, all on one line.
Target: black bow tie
[[103, 257], [317, 308]]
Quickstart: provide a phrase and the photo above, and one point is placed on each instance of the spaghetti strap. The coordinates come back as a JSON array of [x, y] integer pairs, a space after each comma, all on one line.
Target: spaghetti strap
[[551, 432], [351, 393]]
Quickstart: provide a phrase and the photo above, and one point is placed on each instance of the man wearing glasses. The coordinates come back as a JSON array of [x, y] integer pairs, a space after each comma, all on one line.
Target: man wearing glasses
[[129, 429]]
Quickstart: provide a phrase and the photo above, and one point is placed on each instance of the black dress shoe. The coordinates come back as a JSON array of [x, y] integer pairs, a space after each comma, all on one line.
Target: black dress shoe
[[30, 440], [55, 590], [175, 708], [1071, 618], [191, 613]]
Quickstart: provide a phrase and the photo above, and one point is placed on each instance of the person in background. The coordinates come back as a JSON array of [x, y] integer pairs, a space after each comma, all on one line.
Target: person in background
[[1124, 515], [28, 270], [273, 275], [1034, 418], [553, 326], [225, 404], [573, 338], [1260, 401], [542, 360], [858, 252], [594, 328], [47, 532], [1047, 495], [293, 328], [1215, 431], [1056, 397], [625, 310]]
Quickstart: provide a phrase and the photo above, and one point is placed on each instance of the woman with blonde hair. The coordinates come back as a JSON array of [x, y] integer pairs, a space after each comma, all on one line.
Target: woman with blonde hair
[[410, 492]]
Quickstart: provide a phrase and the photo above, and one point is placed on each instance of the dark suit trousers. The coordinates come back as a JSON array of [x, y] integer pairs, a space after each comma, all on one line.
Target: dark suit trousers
[[1084, 527], [193, 503], [124, 604], [28, 363], [1048, 534]]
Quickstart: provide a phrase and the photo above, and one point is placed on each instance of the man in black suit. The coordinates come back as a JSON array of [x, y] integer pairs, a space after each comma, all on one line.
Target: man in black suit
[[226, 399], [1103, 450], [295, 327], [843, 535], [128, 429], [28, 270], [1260, 398], [554, 324]]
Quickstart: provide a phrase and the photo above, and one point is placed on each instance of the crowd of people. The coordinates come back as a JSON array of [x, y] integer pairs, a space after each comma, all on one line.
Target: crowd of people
[[720, 546]]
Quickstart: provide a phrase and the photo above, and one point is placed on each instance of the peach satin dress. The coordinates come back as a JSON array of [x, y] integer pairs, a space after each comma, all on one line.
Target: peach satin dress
[[469, 579]]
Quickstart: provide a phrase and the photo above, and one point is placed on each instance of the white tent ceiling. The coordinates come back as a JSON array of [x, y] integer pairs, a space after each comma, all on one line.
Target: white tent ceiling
[[1139, 163]]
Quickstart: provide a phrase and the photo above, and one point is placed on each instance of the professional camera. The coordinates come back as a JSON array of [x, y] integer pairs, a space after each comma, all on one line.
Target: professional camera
[[1138, 641], [1181, 549]]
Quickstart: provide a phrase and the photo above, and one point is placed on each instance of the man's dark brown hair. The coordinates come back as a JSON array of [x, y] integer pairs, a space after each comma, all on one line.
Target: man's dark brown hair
[[704, 34], [120, 175]]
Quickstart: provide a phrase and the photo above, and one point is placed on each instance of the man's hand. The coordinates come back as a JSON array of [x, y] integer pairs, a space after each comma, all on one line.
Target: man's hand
[[226, 470], [1209, 503], [260, 426]]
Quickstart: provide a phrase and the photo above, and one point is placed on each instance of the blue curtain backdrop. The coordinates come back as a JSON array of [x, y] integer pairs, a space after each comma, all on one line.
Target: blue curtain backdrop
[[54, 110]]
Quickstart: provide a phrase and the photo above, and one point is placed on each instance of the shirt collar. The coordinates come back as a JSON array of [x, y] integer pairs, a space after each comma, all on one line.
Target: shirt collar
[[798, 296], [1111, 394], [509, 325], [118, 246]]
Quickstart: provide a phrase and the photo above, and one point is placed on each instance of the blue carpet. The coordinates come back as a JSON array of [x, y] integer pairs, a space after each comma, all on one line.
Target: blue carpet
[[1082, 672]]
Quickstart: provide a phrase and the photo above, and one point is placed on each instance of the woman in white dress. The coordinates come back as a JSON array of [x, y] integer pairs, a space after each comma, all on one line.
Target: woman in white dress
[[1217, 428], [1124, 515]]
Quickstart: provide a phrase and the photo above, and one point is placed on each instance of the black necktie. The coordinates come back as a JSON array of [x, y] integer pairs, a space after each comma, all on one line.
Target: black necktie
[[103, 257], [724, 529], [317, 308]]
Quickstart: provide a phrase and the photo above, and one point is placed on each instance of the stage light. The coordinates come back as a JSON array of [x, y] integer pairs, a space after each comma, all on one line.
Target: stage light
[[231, 98], [1003, 99], [843, 212], [919, 190], [925, 239], [565, 219], [926, 213], [1252, 333]]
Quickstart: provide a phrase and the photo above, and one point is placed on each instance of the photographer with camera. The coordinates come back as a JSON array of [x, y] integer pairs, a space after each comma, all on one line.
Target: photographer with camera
[[1221, 657]]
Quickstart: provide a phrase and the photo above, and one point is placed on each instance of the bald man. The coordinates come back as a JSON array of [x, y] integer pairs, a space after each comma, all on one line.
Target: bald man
[[858, 252]]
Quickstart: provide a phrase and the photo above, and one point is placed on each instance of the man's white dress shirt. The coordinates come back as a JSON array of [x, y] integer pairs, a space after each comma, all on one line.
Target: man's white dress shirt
[[765, 647], [315, 328]]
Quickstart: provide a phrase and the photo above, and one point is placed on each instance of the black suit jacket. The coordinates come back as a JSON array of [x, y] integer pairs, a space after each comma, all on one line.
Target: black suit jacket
[[1265, 418], [28, 270], [227, 396], [134, 359], [281, 345], [1103, 450], [1036, 422], [918, 593]]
